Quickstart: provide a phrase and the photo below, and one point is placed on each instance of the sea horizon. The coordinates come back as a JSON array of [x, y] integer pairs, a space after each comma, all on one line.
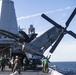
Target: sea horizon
[[65, 67]]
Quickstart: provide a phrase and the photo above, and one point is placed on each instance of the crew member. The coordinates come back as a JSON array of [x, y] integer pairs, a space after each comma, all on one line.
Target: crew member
[[45, 65], [17, 65]]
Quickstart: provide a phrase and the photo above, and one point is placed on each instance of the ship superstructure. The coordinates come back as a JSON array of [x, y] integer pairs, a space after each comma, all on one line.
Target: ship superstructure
[[7, 22]]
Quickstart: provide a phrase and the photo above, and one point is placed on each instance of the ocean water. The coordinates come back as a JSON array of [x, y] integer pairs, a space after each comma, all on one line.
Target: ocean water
[[67, 68]]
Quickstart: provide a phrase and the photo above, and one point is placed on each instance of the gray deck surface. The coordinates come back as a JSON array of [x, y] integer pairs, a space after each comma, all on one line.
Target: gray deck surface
[[27, 72]]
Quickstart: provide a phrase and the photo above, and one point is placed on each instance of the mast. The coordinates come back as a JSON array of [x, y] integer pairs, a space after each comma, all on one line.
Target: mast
[[8, 17]]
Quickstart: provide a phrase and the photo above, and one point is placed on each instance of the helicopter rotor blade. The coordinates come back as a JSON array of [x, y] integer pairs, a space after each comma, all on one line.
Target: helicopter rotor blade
[[7, 35], [51, 21], [24, 34], [56, 43], [10, 35], [72, 34], [60, 38], [64, 31], [70, 18]]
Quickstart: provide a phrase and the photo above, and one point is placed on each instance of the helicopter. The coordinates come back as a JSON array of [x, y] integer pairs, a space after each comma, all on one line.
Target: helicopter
[[37, 46]]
